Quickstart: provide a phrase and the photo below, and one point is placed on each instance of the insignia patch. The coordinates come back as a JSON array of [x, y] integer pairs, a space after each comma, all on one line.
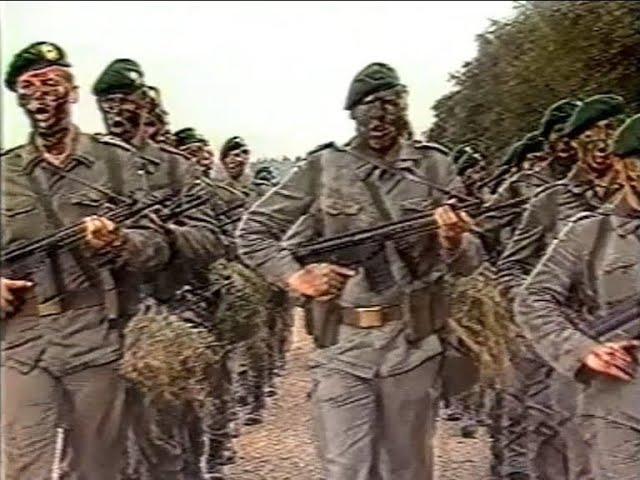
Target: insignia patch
[[50, 52]]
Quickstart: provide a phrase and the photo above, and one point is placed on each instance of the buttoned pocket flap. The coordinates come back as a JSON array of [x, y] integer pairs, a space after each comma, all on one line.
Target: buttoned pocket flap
[[334, 206]]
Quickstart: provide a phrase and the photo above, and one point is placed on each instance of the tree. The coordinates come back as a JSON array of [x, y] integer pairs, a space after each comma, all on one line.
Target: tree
[[547, 51]]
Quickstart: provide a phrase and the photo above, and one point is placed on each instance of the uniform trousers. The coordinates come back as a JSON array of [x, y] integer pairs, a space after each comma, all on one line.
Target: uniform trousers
[[376, 428]]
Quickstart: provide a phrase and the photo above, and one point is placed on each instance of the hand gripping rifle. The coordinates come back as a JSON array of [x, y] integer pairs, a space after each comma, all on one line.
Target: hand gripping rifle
[[20, 255], [365, 247]]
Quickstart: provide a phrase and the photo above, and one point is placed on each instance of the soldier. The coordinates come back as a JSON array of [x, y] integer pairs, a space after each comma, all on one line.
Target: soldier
[[591, 269], [265, 176], [471, 169], [157, 121], [585, 189], [375, 373], [62, 318], [219, 426], [254, 364], [499, 227], [197, 148], [126, 105]]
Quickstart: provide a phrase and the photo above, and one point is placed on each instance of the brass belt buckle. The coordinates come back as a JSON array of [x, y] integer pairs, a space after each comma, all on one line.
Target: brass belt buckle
[[370, 317], [52, 307]]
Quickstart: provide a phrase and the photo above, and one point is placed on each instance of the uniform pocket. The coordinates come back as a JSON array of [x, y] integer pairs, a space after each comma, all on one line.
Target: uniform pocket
[[336, 207], [417, 205], [88, 199], [20, 221]]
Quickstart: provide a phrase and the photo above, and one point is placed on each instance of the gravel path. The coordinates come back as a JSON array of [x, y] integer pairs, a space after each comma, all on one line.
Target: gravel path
[[282, 447]]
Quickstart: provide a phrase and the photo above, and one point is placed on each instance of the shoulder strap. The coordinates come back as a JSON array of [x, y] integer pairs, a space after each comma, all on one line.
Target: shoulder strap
[[54, 219]]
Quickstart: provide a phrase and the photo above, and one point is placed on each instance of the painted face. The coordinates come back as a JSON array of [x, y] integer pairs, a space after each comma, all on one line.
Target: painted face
[[124, 115], [381, 119], [156, 127], [630, 174], [562, 150], [475, 175], [594, 148], [201, 154], [46, 97], [236, 161]]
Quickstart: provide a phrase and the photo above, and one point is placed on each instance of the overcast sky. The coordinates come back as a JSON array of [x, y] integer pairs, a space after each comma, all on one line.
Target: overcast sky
[[276, 73]]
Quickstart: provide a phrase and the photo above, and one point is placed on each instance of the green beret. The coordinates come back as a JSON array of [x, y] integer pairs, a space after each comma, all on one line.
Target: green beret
[[592, 111], [467, 161], [458, 152], [121, 76], [36, 56], [557, 115], [153, 93], [233, 143], [373, 78], [531, 143], [265, 174], [626, 142], [188, 136]]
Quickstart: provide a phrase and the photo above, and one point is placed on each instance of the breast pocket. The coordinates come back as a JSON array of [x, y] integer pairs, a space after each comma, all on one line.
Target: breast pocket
[[20, 221], [414, 206], [340, 215], [73, 207], [620, 277]]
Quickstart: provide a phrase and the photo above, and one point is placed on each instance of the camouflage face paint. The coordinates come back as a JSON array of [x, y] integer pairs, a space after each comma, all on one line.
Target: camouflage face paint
[[381, 119], [46, 97], [124, 115], [236, 162]]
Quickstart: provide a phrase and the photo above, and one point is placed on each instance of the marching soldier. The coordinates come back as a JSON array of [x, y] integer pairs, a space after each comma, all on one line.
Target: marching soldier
[[585, 189], [62, 317], [586, 275], [126, 105], [254, 364], [197, 148], [375, 373]]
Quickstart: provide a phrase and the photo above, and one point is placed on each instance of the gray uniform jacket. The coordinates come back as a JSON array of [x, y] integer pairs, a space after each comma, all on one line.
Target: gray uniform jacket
[[593, 266], [80, 335], [331, 193], [547, 213]]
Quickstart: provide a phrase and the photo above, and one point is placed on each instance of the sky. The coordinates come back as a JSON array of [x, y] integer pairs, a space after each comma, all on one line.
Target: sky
[[276, 73]]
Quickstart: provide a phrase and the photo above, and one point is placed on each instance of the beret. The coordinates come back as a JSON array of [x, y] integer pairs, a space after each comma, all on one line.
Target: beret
[[557, 115], [231, 144], [36, 56], [374, 78], [592, 111], [120, 76], [626, 142], [188, 136]]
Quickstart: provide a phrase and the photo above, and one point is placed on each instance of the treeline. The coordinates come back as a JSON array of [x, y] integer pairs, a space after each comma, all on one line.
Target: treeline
[[547, 51]]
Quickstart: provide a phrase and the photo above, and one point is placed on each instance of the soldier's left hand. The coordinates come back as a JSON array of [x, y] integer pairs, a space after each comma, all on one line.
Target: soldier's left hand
[[102, 233], [452, 225], [615, 359]]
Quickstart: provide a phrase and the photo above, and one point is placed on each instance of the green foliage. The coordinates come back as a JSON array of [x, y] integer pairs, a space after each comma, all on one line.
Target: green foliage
[[546, 52]]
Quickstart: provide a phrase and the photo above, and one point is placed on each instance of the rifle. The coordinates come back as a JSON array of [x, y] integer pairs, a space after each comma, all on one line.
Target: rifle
[[67, 237], [621, 322], [365, 247]]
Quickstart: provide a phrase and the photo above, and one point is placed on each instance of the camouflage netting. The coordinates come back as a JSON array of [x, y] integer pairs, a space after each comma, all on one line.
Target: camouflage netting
[[242, 309], [169, 358], [483, 321], [170, 350]]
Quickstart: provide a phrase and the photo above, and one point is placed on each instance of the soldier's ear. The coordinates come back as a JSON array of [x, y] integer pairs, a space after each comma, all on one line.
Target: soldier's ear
[[74, 95]]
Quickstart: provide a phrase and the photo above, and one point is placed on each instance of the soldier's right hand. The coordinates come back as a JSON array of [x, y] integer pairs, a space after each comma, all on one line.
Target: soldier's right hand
[[615, 359], [319, 280], [11, 292]]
